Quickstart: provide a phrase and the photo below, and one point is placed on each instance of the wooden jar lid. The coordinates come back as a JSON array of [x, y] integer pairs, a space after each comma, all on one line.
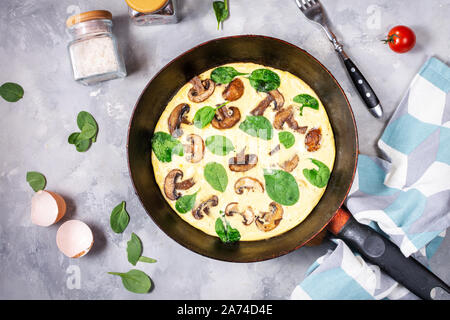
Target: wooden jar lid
[[89, 15], [146, 6]]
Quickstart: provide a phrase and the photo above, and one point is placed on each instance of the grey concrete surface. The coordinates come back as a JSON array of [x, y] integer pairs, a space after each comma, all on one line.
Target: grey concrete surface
[[34, 131]]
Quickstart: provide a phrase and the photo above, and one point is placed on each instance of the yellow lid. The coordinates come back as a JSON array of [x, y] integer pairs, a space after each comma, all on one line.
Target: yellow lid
[[89, 15], [146, 6]]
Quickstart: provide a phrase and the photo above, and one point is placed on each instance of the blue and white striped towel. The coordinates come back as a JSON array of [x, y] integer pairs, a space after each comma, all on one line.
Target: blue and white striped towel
[[405, 195]]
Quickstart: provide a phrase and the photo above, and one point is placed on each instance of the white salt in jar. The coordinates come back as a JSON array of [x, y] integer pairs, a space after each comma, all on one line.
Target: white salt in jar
[[93, 51]]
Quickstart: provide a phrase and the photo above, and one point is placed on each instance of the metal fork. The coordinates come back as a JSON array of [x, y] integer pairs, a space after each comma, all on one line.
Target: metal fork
[[313, 10]]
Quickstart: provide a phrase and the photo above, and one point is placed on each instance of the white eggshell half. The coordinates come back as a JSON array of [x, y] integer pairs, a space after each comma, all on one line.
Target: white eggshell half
[[47, 208], [74, 238]]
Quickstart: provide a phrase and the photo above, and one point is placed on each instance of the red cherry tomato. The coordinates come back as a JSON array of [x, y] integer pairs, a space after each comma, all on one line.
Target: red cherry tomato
[[401, 39]]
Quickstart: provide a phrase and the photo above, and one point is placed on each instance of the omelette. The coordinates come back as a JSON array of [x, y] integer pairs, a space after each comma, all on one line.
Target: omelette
[[243, 152]]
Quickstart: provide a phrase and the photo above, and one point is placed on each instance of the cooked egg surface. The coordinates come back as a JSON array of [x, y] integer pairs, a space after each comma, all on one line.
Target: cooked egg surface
[[310, 195]]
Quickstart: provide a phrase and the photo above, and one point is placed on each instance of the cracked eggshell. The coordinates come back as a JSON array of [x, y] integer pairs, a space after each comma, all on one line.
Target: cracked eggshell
[[47, 208], [74, 238]]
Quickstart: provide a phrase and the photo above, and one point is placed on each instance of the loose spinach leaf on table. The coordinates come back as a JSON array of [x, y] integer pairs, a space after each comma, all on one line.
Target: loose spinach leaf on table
[[164, 145], [134, 251], [281, 187], [318, 178], [88, 135], [306, 101], [216, 176], [264, 80], [185, 203], [225, 75], [135, 281], [36, 180], [119, 218], [221, 11], [11, 92], [286, 138], [257, 126], [219, 145], [204, 115], [226, 232]]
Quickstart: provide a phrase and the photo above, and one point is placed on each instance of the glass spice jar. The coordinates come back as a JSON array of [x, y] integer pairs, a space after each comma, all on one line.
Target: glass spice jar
[[93, 50], [152, 12]]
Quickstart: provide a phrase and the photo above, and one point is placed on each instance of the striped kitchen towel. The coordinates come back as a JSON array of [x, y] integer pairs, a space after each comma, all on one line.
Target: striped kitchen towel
[[405, 195]]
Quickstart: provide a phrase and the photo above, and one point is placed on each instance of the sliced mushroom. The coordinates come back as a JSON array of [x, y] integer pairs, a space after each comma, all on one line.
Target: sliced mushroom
[[313, 139], [275, 150], [278, 99], [234, 90], [249, 184], [176, 118], [195, 149], [172, 184], [286, 115], [291, 164], [201, 90], [262, 106], [268, 221], [203, 208], [274, 96], [242, 162], [248, 215], [226, 117]]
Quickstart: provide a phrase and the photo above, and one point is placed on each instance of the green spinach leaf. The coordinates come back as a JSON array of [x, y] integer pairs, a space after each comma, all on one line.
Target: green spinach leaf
[[216, 176], [219, 145], [185, 203], [286, 138], [257, 126], [119, 218], [221, 11], [281, 187], [318, 178], [264, 80], [204, 115], [134, 251], [85, 118], [11, 92], [225, 75], [82, 145], [226, 232], [164, 145], [36, 180], [135, 281], [306, 101]]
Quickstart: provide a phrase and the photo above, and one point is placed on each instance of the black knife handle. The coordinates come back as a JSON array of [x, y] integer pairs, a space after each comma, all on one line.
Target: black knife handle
[[381, 251], [363, 87]]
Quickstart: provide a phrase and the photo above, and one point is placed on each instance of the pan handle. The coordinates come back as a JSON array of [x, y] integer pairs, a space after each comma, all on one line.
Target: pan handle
[[380, 251]]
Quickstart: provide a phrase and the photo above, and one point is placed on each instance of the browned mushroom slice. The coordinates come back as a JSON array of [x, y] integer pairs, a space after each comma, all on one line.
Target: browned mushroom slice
[[268, 221], [262, 106], [203, 208], [226, 117], [278, 99], [275, 150], [176, 118], [291, 164], [274, 96], [313, 139], [232, 208], [172, 184], [242, 162], [248, 215], [195, 149], [286, 115], [201, 90], [234, 90], [249, 184]]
